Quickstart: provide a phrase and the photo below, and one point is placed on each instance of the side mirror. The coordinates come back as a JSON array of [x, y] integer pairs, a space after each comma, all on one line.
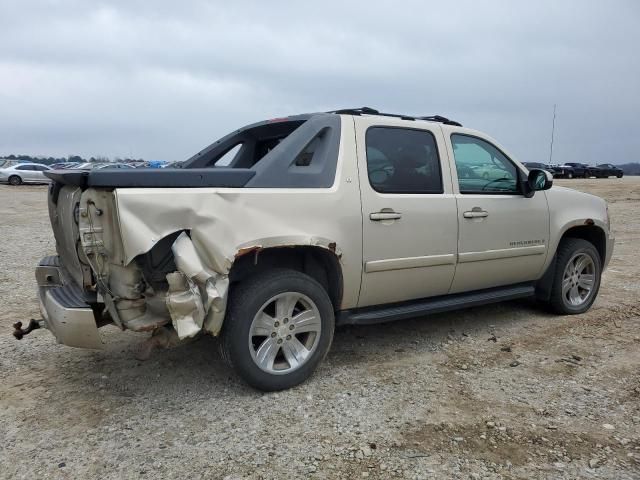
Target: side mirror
[[539, 180]]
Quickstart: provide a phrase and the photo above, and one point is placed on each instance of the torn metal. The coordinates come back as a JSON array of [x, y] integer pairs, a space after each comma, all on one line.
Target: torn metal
[[197, 296]]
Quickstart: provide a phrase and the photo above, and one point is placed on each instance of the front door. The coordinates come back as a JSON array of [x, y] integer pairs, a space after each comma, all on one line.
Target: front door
[[503, 236], [410, 224]]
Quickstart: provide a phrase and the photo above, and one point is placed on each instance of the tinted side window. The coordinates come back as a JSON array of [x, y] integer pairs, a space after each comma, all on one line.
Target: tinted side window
[[402, 160], [24, 167], [481, 167]]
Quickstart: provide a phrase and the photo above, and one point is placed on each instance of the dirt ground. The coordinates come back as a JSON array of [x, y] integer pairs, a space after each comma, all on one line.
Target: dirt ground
[[502, 391]]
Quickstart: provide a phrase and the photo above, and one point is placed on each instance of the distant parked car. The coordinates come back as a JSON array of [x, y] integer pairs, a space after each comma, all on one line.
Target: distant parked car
[[564, 171], [64, 165], [491, 172], [609, 170], [112, 165], [137, 163], [541, 166], [583, 170], [24, 173], [100, 166], [86, 166]]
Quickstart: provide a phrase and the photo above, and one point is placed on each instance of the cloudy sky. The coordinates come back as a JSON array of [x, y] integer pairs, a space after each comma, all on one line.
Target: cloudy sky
[[162, 79]]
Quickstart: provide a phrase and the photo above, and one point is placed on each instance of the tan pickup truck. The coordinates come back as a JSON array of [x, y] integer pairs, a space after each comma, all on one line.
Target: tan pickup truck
[[277, 232]]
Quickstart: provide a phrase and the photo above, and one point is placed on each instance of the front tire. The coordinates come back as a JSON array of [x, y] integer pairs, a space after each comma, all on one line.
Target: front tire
[[577, 277], [15, 180], [569, 175], [278, 329]]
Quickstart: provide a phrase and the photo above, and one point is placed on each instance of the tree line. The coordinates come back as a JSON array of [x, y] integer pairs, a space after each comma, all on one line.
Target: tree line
[[630, 168]]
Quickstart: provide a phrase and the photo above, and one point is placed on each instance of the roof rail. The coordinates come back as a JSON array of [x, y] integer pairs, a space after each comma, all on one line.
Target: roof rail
[[357, 111], [373, 111], [441, 119]]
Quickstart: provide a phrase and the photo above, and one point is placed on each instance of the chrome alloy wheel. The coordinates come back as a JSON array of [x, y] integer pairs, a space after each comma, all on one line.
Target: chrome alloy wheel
[[578, 279], [284, 333]]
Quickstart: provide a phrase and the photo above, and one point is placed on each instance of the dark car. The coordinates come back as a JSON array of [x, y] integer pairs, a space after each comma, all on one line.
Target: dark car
[[584, 170], [563, 171], [609, 170]]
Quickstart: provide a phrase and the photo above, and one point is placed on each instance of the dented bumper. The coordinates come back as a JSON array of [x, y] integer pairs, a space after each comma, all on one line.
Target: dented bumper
[[64, 309]]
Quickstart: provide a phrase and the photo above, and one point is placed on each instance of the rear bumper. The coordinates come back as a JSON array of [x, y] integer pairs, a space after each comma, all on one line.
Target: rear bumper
[[63, 306]]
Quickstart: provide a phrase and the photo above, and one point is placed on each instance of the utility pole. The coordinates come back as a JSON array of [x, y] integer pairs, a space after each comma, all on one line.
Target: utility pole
[[553, 129]]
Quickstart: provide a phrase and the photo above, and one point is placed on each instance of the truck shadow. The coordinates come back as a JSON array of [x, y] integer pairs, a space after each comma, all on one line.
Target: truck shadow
[[428, 333], [197, 365]]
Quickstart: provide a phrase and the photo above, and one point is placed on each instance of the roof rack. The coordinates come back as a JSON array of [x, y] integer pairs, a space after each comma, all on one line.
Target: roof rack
[[373, 111]]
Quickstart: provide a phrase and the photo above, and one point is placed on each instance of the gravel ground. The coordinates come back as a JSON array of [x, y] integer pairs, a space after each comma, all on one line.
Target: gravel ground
[[503, 391]]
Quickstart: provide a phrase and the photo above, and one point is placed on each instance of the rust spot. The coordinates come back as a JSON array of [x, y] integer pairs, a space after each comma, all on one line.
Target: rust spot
[[245, 250], [588, 221], [332, 247]]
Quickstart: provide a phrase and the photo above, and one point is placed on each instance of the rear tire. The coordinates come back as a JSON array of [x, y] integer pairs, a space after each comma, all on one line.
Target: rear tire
[[577, 277], [15, 180], [259, 339]]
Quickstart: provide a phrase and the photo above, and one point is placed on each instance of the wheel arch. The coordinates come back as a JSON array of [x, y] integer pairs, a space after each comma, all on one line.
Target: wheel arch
[[593, 234], [590, 232], [321, 264]]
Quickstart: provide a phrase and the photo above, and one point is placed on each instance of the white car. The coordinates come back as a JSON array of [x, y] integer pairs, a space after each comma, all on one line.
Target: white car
[[24, 173]]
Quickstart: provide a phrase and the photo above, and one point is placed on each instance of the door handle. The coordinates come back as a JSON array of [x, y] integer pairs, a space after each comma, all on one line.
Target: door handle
[[476, 212], [380, 216]]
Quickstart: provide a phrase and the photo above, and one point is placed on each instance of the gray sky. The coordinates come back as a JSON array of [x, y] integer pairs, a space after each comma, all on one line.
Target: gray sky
[[162, 79]]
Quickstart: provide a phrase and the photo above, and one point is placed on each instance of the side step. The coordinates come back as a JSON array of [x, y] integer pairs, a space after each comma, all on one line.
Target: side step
[[427, 306]]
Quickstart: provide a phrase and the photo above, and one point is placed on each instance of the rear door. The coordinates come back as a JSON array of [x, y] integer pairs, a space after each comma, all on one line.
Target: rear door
[[409, 211], [503, 236]]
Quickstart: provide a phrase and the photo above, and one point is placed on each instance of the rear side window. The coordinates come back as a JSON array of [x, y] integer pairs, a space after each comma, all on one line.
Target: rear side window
[[229, 156], [403, 160], [305, 157]]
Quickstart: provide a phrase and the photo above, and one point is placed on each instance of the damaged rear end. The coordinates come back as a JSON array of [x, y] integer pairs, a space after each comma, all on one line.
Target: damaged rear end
[[90, 283], [145, 249]]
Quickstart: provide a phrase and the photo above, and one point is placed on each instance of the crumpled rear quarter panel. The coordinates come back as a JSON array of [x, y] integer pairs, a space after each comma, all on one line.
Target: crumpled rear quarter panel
[[225, 221]]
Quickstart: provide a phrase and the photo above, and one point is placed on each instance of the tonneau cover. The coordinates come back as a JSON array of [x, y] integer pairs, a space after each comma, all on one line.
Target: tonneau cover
[[153, 178]]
